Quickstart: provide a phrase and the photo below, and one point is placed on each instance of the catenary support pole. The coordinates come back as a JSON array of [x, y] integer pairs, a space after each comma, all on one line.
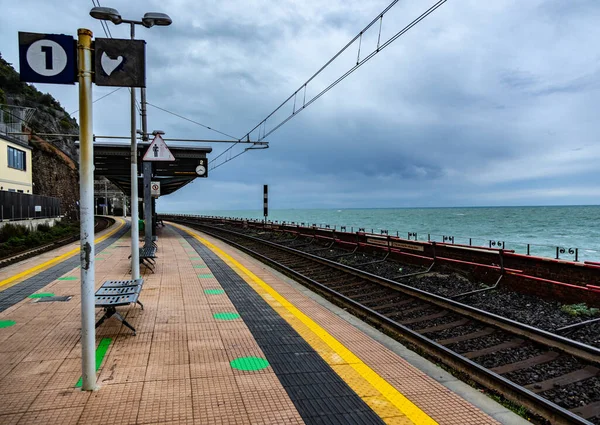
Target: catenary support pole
[[86, 205], [135, 232], [147, 170], [147, 167]]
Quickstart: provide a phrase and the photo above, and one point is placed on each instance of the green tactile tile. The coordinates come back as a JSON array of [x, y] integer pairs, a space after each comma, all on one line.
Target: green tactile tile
[[213, 291], [42, 295], [200, 266], [249, 363], [195, 258], [7, 323], [205, 276], [68, 278], [226, 316], [100, 353]]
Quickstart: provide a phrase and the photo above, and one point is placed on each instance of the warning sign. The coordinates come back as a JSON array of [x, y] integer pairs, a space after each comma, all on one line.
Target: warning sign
[[158, 151], [155, 189]]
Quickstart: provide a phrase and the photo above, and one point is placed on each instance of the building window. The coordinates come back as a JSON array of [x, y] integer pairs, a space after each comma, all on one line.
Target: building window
[[16, 158]]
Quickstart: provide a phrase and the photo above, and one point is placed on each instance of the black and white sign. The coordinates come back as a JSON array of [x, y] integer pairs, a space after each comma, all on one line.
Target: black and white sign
[[120, 63], [158, 151], [155, 189], [47, 58]]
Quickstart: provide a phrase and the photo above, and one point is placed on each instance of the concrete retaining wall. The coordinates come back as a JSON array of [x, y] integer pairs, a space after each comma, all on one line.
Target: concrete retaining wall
[[32, 223]]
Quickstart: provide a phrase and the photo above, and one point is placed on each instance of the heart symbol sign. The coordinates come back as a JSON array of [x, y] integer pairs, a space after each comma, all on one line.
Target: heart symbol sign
[[108, 64]]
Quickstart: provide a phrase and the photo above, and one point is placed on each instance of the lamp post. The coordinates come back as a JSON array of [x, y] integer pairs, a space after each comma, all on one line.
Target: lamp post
[[149, 20]]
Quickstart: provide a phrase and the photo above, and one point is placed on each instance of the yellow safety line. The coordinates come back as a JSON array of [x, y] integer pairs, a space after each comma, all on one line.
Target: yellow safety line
[[348, 358], [58, 259]]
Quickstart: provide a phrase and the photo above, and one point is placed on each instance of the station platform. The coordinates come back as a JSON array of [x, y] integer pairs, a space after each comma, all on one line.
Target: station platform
[[222, 339]]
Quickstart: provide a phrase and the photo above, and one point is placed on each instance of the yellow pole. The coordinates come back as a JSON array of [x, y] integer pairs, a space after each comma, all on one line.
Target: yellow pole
[[86, 205]]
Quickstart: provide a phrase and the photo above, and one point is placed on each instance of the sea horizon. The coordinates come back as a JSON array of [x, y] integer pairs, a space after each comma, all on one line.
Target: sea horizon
[[540, 230]]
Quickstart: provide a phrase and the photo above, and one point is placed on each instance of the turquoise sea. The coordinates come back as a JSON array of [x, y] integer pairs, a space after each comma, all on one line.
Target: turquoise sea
[[543, 228]]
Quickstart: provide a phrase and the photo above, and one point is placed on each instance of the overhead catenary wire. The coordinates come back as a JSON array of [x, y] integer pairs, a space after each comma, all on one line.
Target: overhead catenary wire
[[358, 64], [192, 121], [99, 99]]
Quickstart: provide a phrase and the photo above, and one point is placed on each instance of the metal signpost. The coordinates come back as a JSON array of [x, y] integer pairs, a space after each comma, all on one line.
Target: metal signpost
[[51, 58], [122, 63], [58, 59], [157, 151]]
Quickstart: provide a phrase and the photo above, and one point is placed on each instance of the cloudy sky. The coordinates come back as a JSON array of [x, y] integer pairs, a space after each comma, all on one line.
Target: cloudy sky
[[482, 103]]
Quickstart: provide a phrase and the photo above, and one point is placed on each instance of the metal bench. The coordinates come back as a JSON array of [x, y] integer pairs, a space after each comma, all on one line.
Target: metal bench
[[147, 256], [115, 293]]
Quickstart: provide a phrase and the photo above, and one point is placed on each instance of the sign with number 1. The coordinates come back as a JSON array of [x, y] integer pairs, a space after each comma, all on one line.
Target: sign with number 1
[[47, 58]]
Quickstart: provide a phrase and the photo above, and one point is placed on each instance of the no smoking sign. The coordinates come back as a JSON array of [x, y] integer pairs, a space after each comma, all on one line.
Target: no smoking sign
[[155, 189]]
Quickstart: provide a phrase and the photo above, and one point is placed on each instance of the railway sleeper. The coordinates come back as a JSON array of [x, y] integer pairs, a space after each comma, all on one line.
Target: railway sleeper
[[424, 318], [379, 294], [524, 364], [513, 343], [438, 328], [560, 381], [373, 304], [467, 337]]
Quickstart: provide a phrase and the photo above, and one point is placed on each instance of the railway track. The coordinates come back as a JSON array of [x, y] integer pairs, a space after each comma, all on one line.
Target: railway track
[[100, 224], [554, 377]]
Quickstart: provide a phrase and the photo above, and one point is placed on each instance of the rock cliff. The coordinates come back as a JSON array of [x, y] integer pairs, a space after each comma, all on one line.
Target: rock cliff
[[55, 170]]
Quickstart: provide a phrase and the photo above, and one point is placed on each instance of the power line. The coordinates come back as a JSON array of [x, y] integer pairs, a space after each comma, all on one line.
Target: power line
[[230, 159], [303, 87], [100, 98], [192, 121]]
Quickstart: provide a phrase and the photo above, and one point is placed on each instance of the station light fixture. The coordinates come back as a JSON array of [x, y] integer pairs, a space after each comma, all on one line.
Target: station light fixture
[[149, 20], [106, 14]]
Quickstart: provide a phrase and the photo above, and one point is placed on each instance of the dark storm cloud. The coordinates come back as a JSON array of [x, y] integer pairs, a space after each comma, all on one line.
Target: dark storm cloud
[[483, 103]]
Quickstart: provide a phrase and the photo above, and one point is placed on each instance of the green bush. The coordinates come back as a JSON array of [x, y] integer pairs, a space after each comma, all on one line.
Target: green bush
[[580, 310], [12, 230], [16, 238], [44, 228]]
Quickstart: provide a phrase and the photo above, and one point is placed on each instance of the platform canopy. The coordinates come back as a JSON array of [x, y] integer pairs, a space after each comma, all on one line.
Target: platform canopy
[[113, 161]]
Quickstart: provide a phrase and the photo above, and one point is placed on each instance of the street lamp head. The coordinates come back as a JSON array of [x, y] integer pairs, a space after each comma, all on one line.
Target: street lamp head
[[154, 18], [106, 14]]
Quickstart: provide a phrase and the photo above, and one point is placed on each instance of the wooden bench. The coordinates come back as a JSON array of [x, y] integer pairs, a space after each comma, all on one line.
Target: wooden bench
[[115, 293]]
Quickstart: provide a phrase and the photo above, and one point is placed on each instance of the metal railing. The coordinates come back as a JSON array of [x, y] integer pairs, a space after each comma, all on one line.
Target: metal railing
[[558, 252]]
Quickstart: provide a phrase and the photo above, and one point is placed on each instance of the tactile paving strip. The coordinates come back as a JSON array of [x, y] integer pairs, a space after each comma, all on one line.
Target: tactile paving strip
[[19, 292], [305, 376]]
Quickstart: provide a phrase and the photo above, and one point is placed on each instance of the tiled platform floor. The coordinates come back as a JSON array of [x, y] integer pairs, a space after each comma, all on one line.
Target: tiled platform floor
[[177, 369]]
